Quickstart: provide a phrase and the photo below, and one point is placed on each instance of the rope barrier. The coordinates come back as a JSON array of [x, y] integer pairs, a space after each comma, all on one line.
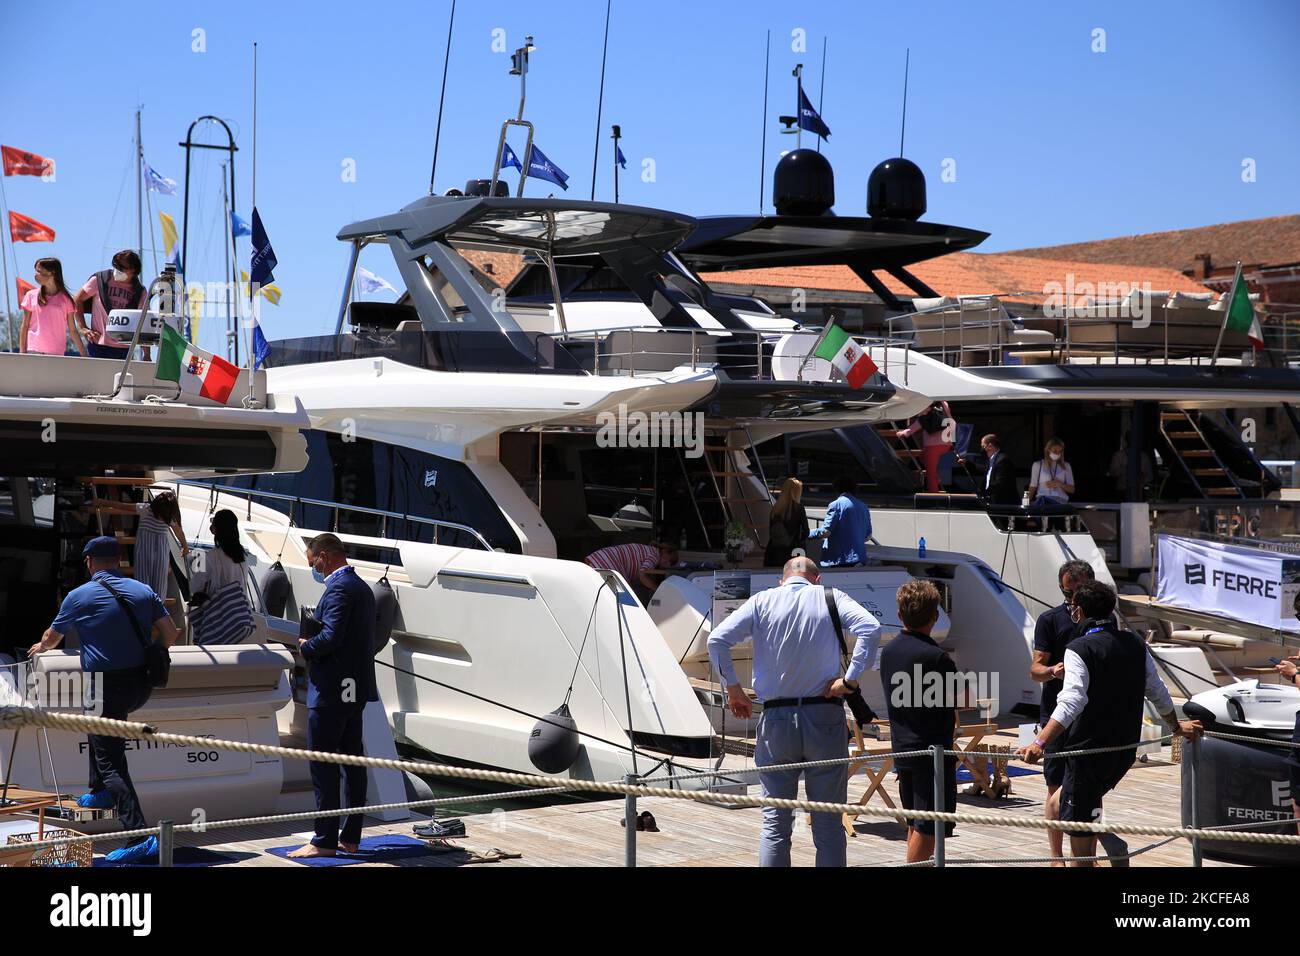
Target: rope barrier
[[23, 716]]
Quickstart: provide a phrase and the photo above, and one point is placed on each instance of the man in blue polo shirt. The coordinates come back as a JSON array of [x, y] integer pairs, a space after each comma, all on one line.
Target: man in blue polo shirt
[[1053, 631], [112, 652]]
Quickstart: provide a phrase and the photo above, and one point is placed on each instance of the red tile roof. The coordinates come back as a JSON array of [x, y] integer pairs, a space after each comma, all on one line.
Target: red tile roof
[[1255, 242], [974, 273]]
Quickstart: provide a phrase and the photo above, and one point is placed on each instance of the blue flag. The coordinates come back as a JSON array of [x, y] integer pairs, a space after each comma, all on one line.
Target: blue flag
[[810, 119], [508, 158], [622, 160], [239, 225], [261, 347], [539, 167], [263, 262]]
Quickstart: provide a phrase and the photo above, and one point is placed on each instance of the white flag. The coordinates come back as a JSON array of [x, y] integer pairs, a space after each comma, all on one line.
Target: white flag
[[367, 281]]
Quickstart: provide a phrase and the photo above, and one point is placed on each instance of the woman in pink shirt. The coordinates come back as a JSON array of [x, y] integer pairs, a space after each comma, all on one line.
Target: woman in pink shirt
[[122, 289], [937, 430], [48, 313]]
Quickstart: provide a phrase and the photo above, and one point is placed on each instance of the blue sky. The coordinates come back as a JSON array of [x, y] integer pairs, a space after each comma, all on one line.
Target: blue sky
[[1052, 142]]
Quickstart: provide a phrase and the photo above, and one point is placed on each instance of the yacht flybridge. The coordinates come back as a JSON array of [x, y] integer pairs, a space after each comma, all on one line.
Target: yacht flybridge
[[78, 431], [472, 462]]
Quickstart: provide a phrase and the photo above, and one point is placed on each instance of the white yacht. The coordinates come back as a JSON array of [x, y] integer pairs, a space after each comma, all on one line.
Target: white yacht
[[75, 431], [461, 457]]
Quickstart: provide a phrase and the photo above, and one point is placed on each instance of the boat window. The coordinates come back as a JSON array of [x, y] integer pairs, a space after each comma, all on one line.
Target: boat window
[[383, 477]]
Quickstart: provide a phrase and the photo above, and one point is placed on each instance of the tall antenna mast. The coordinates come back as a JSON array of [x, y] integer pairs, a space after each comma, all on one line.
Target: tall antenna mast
[[906, 67], [437, 136], [762, 164], [600, 102], [821, 95], [798, 106]]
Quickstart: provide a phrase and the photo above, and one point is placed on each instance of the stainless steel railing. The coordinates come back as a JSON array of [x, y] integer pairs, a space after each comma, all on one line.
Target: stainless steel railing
[[699, 349], [437, 524]]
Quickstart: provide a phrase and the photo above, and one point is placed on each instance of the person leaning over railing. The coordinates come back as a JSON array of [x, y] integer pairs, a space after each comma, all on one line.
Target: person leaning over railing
[[796, 676], [1108, 673]]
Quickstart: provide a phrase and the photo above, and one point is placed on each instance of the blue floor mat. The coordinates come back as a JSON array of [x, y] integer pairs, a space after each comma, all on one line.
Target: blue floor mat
[[378, 849], [964, 775], [189, 856]]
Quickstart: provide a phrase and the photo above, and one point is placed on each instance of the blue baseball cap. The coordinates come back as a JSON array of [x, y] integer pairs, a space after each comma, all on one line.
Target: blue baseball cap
[[101, 547]]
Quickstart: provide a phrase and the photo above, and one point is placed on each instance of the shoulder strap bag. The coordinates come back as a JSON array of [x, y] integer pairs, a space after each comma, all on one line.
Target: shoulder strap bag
[[861, 710], [157, 659]]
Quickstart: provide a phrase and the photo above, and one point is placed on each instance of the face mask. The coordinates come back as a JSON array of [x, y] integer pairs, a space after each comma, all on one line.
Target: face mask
[[119, 275], [1055, 456]]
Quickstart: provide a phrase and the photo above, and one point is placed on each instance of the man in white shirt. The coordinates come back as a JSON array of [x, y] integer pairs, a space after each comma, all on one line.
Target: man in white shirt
[[797, 676]]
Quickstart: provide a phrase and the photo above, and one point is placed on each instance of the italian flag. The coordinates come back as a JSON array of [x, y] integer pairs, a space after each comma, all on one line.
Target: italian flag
[[1241, 313], [852, 361], [196, 371]]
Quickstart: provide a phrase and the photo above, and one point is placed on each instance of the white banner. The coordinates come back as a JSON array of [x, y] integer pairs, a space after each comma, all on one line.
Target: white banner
[[1245, 584]]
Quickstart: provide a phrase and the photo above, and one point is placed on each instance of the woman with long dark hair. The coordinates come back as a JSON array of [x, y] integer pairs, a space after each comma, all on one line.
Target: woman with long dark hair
[[220, 612], [48, 313]]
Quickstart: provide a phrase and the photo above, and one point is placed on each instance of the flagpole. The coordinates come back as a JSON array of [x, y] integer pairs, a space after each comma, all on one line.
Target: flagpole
[[826, 330], [1227, 313], [600, 101], [617, 135], [4, 206], [227, 206], [252, 286], [798, 106], [821, 95], [762, 162], [442, 96]]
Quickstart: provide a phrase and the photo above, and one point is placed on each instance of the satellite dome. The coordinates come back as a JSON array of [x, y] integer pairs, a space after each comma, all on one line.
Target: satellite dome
[[896, 190], [803, 184]]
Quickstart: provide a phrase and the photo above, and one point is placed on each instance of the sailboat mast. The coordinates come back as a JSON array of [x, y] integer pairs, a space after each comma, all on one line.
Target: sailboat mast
[[139, 193], [228, 276]]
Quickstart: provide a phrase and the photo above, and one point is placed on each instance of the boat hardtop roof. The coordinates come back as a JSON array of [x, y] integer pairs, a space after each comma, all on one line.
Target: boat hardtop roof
[[564, 227], [744, 242]]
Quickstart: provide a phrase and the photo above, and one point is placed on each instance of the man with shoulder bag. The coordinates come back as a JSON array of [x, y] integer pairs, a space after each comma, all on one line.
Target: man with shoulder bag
[[125, 632], [800, 677]]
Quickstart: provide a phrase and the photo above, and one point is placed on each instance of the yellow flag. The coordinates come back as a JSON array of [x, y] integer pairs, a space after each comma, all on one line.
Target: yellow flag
[[168, 231], [269, 292], [196, 309]]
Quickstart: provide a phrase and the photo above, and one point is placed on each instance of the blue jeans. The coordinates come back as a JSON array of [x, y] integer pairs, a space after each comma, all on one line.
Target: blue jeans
[[793, 735]]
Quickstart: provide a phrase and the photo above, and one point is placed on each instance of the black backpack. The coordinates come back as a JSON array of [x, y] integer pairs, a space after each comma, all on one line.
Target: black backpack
[[933, 420]]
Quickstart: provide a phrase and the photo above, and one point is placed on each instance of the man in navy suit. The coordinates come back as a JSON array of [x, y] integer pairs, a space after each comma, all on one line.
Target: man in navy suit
[[340, 680]]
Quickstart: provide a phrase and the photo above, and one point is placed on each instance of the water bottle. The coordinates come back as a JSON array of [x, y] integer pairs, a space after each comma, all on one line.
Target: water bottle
[[920, 548]]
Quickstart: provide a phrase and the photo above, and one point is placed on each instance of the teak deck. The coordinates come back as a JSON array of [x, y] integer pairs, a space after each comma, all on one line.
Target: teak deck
[[692, 834]]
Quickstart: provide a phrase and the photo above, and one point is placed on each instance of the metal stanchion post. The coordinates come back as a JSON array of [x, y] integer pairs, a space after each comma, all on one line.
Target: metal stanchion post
[[629, 823], [940, 828], [1194, 771], [166, 841]]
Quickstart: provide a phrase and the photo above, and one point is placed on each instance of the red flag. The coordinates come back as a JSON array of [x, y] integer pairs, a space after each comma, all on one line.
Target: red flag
[[24, 229], [19, 162], [23, 288]]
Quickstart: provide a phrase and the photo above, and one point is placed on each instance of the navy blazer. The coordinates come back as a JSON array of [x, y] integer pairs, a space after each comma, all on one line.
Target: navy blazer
[[344, 650]]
